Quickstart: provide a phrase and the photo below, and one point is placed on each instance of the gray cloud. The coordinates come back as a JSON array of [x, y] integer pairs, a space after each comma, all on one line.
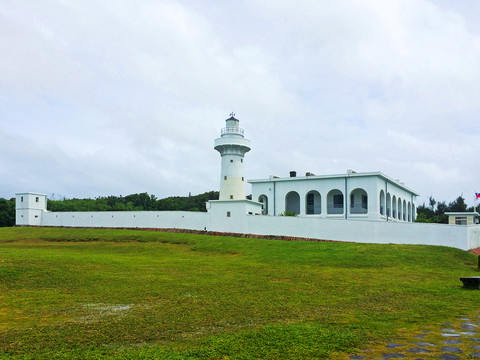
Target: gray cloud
[[116, 97]]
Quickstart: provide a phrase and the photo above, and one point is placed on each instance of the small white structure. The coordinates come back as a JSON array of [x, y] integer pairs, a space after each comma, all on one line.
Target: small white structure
[[232, 147], [29, 208], [463, 218], [351, 196]]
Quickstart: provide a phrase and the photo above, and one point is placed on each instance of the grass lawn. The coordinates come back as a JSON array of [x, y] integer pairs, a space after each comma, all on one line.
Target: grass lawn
[[125, 294]]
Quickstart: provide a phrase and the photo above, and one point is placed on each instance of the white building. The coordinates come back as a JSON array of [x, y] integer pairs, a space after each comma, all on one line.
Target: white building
[[351, 196], [463, 218]]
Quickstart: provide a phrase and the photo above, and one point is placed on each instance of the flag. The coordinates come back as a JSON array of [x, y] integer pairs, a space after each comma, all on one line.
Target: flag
[[477, 196]]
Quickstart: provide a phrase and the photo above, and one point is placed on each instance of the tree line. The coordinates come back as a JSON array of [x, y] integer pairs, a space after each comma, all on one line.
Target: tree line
[[7, 212], [134, 202], [435, 211]]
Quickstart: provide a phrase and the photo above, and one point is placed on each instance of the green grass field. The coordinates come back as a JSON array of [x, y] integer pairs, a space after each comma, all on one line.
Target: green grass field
[[124, 294]]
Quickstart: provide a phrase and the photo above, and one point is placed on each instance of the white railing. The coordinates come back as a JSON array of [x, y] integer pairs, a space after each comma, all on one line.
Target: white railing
[[232, 130]]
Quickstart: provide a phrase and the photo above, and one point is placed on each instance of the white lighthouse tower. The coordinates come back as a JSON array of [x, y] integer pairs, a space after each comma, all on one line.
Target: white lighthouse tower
[[232, 146]]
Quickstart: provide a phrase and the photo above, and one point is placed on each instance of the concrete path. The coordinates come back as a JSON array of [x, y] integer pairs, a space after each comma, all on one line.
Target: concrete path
[[459, 339]]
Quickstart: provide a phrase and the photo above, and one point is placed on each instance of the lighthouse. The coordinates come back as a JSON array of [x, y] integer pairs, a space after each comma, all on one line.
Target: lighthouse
[[232, 147], [232, 206]]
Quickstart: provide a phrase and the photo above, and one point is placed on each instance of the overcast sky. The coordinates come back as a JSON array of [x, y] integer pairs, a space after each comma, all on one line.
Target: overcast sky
[[119, 97]]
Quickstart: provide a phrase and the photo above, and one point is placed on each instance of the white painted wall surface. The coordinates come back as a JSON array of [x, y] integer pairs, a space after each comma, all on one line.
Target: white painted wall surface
[[232, 181], [473, 235], [236, 208], [28, 217], [380, 232], [139, 219]]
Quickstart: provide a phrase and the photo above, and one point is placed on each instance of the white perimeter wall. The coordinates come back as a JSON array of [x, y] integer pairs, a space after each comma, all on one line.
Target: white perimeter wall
[[462, 237], [140, 219], [381, 232]]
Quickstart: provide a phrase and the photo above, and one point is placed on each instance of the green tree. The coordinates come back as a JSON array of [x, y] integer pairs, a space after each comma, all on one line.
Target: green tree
[[458, 204], [7, 212]]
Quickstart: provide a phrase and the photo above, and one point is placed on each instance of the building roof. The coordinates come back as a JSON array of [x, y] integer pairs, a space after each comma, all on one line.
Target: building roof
[[30, 193], [463, 213], [349, 174]]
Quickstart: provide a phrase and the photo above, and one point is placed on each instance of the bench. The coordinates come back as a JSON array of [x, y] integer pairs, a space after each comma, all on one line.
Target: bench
[[471, 282]]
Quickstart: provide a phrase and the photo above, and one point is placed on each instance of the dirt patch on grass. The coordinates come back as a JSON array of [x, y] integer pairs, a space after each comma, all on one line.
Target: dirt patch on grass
[[475, 251], [201, 232]]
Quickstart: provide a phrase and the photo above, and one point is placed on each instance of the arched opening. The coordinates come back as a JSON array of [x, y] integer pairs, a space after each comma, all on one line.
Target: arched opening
[[292, 202], [413, 212], [399, 209], [409, 207], [404, 208], [358, 201], [335, 202], [264, 200], [389, 205], [382, 202], [394, 207], [313, 203]]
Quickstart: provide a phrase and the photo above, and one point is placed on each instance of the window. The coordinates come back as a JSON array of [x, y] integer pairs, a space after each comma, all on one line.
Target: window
[[36, 216], [460, 220], [228, 213], [242, 179], [231, 196], [310, 201], [231, 161], [335, 202], [37, 199], [241, 160], [338, 201], [364, 202], [21, 199], [313, 203], [225, 177]]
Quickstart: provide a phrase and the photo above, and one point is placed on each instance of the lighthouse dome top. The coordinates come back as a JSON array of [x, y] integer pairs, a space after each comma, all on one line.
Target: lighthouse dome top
[[233, 127]]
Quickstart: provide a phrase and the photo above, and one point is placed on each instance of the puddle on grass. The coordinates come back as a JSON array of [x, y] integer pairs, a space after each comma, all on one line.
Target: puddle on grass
[[108, 308], [99, 310]]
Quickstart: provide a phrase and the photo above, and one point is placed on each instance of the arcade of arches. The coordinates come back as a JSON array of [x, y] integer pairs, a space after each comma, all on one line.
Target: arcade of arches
[[391, 207]]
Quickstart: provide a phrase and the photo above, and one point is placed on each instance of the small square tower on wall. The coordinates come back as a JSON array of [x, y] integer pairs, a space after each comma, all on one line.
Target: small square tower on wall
[[29, 208]]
